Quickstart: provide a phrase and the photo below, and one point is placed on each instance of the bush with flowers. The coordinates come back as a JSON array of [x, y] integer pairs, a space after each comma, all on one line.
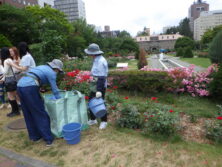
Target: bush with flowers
[[160, 119], [76, 80], [187, 80], [214, 129]]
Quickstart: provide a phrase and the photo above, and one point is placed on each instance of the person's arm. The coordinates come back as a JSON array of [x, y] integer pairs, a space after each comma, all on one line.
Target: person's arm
[[55, 90], [22, 68]]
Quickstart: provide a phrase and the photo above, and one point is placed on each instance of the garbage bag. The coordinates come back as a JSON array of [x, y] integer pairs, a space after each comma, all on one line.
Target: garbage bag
[[70, 108]]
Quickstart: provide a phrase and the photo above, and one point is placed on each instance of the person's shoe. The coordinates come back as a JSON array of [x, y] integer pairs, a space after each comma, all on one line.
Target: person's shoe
[[92, 122], [36, 140], [49, 143], [103, 125], [13, 114]]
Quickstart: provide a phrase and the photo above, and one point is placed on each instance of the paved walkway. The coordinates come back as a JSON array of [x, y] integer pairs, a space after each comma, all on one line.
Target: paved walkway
[[11, 159], [153, 62]]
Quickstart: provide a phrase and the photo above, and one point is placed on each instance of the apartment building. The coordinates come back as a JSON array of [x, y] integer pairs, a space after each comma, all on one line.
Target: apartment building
[[207, 20], [194, 11], [19, 3], [74, 9]]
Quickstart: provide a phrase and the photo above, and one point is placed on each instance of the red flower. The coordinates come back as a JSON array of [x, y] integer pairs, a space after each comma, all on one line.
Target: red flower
[[113, 107], [126, 97], [87, 97], [115, 87], [171, 111], [151, 115], [220, 117], [153, 98]]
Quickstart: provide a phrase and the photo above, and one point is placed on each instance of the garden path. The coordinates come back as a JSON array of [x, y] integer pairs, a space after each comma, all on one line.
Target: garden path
[[154, 63]]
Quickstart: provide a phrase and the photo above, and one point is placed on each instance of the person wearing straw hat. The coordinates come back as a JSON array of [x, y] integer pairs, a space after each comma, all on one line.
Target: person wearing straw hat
[[99, 72], [36, 118]]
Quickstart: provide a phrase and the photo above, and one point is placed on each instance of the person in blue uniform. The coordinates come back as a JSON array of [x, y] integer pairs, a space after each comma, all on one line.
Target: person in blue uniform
[[36, 118], [99, 72]]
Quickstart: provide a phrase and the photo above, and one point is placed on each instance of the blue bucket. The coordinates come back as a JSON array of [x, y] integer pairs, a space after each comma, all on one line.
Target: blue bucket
[[74, 140], [71, 130], [98, 107]]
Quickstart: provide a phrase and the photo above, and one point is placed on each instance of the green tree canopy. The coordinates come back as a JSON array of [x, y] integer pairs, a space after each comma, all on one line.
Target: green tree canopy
[[210, 34], [184, 42], [17, 25], [4, 42], [215, 50]]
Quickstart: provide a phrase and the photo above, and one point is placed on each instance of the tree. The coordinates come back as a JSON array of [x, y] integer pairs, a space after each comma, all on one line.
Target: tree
[[180, 52], [172, 30], [184, 28], [4, 42], [142, 59], [17, 25], [188, 52], [75, 46], [215, 51], [48, 18], [210, 34], [124, 34], [184, 42]]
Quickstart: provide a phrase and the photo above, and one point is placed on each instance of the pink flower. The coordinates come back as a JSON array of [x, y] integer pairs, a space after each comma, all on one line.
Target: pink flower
[[219, 118], [171, 111]]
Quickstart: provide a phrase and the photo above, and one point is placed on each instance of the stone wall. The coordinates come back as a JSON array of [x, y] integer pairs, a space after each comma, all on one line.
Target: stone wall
[[157, 45]]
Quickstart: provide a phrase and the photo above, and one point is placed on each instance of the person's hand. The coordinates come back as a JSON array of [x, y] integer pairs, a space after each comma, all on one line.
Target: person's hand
[[52, 98], [98, 94]]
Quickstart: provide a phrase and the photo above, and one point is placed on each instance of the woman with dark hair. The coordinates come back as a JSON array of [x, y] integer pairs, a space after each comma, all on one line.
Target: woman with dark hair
[[27, 60], [8, 72]]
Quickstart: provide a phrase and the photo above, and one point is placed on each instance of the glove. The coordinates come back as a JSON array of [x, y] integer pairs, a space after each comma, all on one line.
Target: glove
[[98, 94], [52, 98]]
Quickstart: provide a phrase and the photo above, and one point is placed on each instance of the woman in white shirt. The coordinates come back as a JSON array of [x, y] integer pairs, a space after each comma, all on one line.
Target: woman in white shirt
[[7, 70], [27, 60], [16, 60]]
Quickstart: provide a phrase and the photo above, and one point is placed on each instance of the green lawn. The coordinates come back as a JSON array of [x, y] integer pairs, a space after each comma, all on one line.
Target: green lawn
[[203, 62]]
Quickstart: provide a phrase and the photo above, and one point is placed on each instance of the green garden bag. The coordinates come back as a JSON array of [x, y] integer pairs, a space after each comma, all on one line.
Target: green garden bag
[[70, 108]]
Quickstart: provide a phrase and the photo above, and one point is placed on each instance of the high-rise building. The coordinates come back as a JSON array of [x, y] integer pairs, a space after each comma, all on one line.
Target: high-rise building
[[19, 3], [207, 20], [194, 11], [74, 9]]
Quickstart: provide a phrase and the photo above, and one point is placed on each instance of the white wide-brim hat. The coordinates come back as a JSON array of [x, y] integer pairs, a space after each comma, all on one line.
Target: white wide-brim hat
[[93, 49], [56, 63]]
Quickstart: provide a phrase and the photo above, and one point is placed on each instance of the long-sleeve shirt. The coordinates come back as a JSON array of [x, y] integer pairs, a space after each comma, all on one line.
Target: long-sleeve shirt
[[100, 67], [100, 70], [46, 75]]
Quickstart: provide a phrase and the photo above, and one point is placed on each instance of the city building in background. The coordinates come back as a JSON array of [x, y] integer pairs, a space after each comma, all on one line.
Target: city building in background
[[74, 9], [19, 3], [207, 20], [44, 3], [157, 42], [194, 11], [108, 33], [166, 28]]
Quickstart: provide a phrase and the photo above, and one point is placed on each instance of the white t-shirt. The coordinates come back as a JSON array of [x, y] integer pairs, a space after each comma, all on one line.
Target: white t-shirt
[[27, 61], [7, 69]]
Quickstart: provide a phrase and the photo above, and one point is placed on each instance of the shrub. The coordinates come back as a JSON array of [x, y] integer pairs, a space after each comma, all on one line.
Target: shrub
[[215, 51], [142, 81], [142, 59], [214, 130], [36, 50], [4, 42], [180, 52], [215, 85], [130, 117], [184, 42], [188, 53], [203, 54], [80, 64], [160, 119]]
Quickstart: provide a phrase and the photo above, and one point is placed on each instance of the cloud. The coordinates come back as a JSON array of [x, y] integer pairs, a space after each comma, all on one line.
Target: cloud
[[133, 16]]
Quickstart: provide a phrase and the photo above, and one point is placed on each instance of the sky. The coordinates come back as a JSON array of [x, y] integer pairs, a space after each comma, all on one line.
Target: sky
[[134, 15]]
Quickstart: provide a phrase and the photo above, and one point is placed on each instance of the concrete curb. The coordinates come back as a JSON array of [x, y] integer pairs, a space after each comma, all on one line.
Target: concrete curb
[[23, 159]]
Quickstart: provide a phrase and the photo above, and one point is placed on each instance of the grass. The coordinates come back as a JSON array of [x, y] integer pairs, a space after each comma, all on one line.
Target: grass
[[115, 147], [203, 62]]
